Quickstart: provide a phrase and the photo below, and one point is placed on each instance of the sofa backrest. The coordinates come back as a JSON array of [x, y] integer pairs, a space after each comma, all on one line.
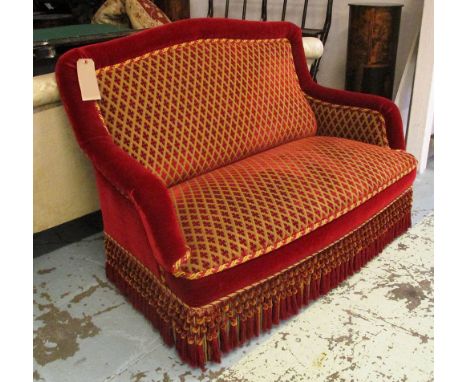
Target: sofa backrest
[[191, 107]]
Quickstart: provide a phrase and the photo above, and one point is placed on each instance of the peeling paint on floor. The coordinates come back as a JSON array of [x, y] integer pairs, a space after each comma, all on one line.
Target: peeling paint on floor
[[57, 338], [376, 326], [412, 294]]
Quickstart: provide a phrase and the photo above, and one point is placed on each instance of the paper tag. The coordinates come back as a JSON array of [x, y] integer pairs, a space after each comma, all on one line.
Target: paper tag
[[87, 79]]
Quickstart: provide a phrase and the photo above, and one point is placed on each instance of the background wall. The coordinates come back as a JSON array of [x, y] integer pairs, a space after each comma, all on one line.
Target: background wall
[[332, 68]]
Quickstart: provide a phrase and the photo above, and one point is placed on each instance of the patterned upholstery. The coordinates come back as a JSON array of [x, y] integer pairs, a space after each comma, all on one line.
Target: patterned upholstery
[[256, 205], [357, 123], [190, 108]]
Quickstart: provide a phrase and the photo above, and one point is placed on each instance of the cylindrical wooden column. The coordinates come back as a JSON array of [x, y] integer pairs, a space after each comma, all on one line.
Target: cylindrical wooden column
[[372, 48]]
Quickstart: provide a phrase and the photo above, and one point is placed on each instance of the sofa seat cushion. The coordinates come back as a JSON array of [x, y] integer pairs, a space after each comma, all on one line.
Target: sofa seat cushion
[[206, 290], [247, 209]]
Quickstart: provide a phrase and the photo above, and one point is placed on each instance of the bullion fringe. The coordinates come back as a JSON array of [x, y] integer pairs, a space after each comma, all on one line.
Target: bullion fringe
[[202, 334]]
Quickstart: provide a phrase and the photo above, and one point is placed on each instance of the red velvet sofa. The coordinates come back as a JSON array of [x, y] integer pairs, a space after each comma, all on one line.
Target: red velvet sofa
[[234, 189]]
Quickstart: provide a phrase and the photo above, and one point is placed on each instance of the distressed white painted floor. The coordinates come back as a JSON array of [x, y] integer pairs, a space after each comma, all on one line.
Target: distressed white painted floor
[[376, 326]]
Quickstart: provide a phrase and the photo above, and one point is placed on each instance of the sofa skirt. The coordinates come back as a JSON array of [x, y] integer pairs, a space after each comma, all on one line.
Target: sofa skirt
[[202, 334]]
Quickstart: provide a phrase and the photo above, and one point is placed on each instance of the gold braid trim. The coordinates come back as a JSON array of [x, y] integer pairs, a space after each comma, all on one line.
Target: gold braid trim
[[233, 319], [350, 122]]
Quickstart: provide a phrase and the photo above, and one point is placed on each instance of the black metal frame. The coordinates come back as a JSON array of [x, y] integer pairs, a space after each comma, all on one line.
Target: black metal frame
[[321, 33]]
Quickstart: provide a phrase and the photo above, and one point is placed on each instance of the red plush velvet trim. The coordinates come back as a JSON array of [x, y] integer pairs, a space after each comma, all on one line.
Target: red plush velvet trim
[[203, 291]]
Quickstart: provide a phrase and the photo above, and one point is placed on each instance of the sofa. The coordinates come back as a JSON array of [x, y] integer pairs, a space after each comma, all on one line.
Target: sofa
[[234, 189]]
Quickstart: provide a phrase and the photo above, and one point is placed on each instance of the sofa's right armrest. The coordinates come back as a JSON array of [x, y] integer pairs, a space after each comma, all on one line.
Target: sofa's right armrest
[[350, 122], [358, 116]]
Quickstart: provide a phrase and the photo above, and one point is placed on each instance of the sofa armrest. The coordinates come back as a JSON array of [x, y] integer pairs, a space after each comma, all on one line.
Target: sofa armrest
[[141, 194], [358, 116], [148, 196]]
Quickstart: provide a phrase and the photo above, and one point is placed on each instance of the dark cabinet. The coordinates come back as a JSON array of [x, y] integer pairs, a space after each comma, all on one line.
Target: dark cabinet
[[372, 48]]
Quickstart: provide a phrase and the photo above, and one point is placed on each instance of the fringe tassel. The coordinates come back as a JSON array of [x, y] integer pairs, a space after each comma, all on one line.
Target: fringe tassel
[[225, 344], [276, 312], [215, 353], [247, 318], [181, 347], [201, 359], [243, 332], [192, 354], [283, 309], [314, 289], [250, 327], [257, 325], [166, 333], [325, 283], [299, 297], [306, 294], [234, 342], [294, 307], [267, 315]]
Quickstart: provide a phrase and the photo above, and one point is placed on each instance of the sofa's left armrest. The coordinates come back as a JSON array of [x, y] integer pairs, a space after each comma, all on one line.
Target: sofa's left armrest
[[148, 196], [132, 197], [358, 116]]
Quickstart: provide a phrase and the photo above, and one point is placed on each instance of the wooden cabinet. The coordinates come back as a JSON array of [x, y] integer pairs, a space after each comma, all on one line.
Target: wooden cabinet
[[372, 48]]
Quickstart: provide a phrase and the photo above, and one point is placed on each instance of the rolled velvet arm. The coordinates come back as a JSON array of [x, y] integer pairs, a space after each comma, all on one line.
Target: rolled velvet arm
[[361, 117], [148, 195]]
